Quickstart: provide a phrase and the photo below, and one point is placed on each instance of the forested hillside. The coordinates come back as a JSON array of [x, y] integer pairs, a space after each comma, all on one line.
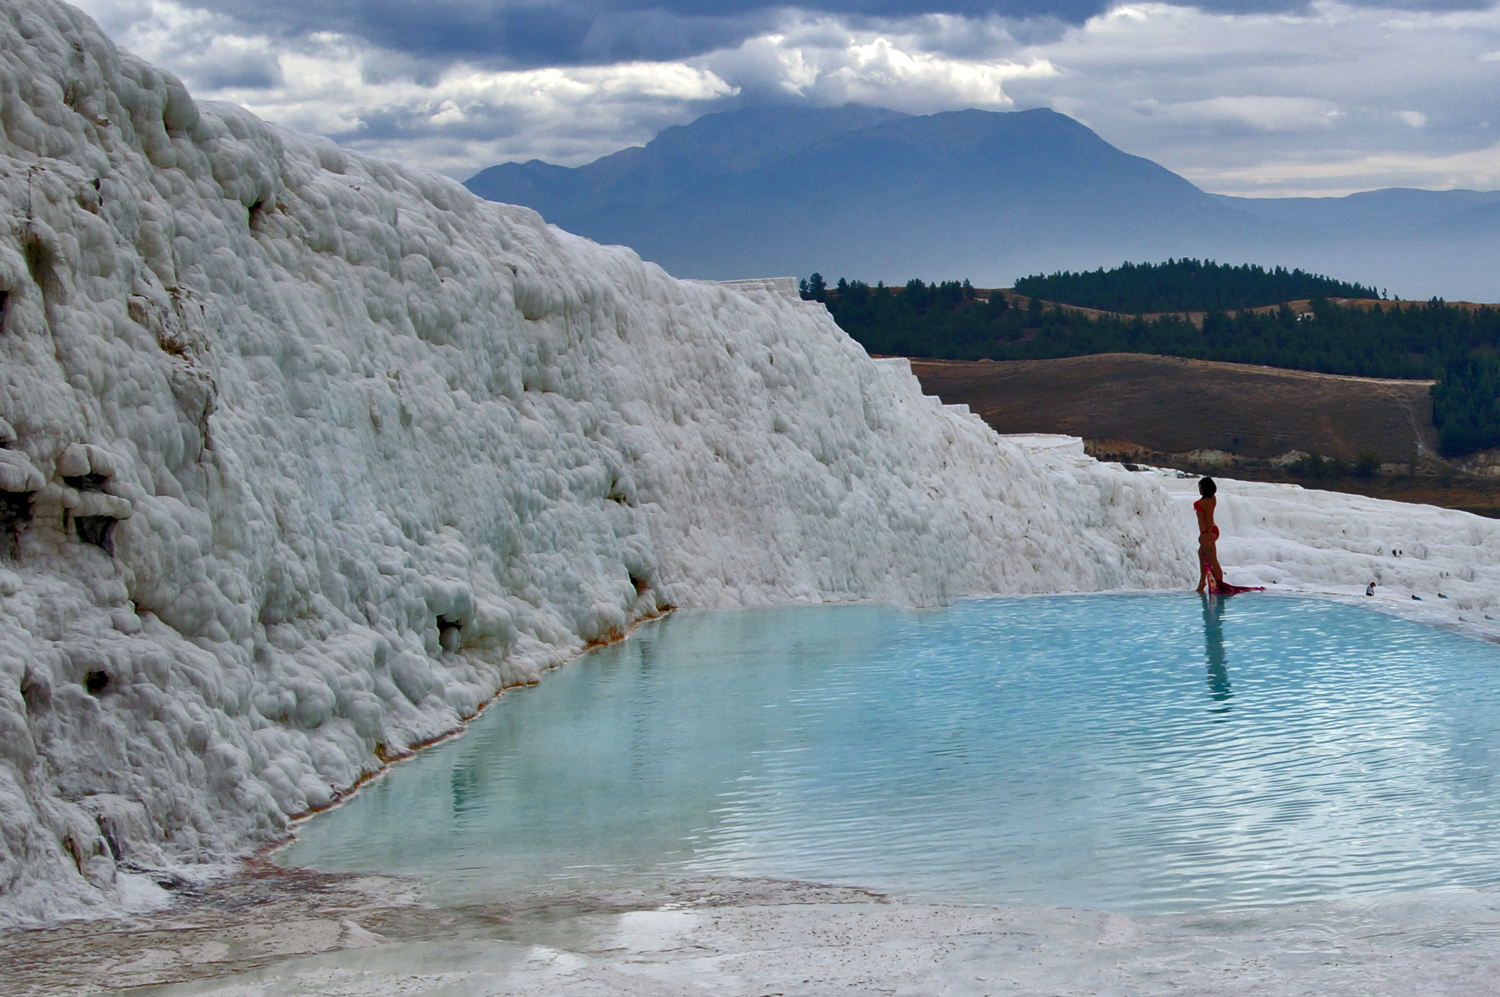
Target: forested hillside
[[1455, 345], [1185, 286]]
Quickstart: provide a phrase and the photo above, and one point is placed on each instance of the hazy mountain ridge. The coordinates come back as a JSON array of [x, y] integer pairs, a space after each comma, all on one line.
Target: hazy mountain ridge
[[1391, 212], [978, 194]]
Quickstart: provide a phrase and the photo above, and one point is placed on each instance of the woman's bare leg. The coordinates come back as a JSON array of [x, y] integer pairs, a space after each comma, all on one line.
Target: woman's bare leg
[[1213, 562]]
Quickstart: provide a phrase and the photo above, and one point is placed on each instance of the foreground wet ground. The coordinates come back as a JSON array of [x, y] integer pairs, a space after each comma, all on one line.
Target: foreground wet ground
[[286, 933], [243, 927]]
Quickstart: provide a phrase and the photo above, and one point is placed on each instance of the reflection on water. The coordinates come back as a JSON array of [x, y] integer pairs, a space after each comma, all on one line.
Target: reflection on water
[[1039, 751], [467, 790], [1213, 640]]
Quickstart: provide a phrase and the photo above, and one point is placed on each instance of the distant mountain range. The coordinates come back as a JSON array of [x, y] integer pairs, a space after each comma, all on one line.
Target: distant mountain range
[[879, 195]]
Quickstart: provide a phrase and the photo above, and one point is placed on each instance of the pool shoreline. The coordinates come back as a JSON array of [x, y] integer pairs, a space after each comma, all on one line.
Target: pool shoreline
[[1487, 633], [924, 752]]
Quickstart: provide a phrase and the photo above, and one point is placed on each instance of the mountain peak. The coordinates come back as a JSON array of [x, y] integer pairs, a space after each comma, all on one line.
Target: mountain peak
[[880, 195], [791, 189], [744, 139]]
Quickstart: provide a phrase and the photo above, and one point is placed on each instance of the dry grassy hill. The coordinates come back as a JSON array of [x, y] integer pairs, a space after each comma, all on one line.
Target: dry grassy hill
[[1204, 416], [1176, 406]]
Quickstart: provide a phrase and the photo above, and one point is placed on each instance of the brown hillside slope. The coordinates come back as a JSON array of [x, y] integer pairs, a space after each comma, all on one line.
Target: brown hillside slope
[[1175, 406], [1168, 412]]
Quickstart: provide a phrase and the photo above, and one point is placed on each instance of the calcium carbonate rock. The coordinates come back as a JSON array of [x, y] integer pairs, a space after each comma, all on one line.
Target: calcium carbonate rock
[[306, 455]]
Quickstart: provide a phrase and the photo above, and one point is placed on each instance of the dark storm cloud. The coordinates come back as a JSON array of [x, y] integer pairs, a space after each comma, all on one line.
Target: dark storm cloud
[[526, 33], [514, 33]]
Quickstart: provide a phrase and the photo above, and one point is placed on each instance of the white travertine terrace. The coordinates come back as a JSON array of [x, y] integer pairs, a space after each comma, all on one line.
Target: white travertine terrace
[[305, 455]]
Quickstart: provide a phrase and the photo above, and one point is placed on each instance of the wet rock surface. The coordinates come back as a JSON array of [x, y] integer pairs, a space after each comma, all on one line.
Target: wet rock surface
[[277, 933], [265, 915]]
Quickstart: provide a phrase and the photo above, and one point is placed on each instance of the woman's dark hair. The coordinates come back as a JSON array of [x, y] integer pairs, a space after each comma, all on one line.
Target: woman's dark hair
[[1206, 487]]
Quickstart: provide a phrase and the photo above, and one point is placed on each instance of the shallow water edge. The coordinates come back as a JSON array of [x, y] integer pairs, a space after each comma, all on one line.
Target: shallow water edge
[[1486, 631]]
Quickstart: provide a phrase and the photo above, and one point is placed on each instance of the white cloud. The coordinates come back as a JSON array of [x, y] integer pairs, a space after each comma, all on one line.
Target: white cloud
[[1256, 103], [458, 119], [1478, 169], [823, 62], [1271, 114]]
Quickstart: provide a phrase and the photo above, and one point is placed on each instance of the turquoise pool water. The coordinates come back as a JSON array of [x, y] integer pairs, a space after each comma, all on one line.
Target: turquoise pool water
[[1149, 753]]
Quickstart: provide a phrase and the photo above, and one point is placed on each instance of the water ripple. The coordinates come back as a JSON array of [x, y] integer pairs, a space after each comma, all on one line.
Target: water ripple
[[1128, 752]]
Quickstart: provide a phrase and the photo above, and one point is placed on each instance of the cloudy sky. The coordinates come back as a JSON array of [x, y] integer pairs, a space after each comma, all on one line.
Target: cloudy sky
[[1260, 97]]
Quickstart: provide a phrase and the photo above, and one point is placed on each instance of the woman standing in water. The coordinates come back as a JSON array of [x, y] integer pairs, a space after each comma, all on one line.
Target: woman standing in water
[[1210, 574]]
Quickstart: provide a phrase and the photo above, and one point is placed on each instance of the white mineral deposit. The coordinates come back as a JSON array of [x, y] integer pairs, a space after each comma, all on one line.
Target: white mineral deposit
[[309, 455]]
